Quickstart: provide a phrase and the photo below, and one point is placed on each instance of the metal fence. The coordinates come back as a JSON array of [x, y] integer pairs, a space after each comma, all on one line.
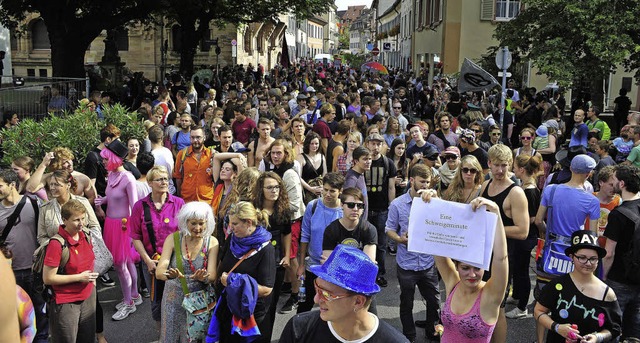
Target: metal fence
[[35, 97]]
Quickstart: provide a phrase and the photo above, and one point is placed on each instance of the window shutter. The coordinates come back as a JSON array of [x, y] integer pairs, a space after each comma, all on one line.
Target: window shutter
[[486, 9]]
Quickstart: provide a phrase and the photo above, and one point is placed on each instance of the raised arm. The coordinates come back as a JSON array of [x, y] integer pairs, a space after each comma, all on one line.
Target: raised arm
[[35, 181], [496, 286]]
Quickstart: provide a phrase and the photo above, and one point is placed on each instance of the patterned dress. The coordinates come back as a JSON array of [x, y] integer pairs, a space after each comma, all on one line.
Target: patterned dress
[[174, 316]]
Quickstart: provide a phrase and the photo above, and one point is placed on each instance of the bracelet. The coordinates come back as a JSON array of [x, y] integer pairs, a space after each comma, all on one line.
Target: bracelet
[[540, 315], [554, 326], [599, 337]]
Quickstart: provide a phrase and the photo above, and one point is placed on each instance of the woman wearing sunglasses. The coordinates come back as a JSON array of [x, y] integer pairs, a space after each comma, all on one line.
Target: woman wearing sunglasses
[[344, 289], [467, 182], [527, 135]]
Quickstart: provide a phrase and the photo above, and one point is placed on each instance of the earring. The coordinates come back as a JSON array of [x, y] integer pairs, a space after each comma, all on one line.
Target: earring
[[355, 310]]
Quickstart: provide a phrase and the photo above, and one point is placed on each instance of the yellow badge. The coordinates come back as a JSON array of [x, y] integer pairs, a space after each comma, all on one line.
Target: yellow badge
[[274, 243], [166, 220], [559, 287]]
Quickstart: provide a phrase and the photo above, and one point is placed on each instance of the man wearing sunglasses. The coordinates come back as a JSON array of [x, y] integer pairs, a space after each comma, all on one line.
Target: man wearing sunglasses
[[414, 269], [344, 290], [397, 112]]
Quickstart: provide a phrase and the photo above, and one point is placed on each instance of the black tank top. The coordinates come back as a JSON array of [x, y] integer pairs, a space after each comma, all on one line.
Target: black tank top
[[332, 145], [308, 171], [499, 199]]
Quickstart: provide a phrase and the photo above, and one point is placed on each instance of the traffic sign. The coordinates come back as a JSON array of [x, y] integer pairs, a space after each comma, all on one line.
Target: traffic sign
[[234, 42], [499, 57], [500, 74], [375, 51], [386, 46], [369, 46]]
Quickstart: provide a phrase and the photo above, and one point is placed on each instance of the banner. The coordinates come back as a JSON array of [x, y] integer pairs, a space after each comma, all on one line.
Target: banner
[[454, 230], [474, 78]]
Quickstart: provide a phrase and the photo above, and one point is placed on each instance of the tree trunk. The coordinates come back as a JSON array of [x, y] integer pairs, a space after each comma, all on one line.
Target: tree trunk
[[190, 40], [67, 58]]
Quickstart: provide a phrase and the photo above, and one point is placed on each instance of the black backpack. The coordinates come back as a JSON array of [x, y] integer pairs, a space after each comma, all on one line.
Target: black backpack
[[631, 257]]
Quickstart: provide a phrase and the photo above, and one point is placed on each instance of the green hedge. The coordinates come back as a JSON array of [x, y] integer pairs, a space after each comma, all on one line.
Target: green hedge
[[78, 131]]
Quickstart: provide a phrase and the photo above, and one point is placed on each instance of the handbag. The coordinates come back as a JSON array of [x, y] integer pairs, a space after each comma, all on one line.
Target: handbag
[[103, 258], [554, 262], [197, 304]]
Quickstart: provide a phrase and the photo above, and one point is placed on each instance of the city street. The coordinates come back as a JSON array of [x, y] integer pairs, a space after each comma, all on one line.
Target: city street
[[140, 328]]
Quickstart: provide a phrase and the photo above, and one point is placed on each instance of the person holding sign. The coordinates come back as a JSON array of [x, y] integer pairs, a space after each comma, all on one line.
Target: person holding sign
[[414, 269], [472, 308]]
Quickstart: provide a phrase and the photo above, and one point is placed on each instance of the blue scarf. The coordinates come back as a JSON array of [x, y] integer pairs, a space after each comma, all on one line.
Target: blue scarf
[[240, 246]]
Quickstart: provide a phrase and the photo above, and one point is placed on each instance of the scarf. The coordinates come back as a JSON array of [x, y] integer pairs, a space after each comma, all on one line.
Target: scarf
[[280, 170], [446, 174], [240, 246]]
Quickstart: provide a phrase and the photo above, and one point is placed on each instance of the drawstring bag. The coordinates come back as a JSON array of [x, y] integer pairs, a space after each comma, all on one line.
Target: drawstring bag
[[198, 304]]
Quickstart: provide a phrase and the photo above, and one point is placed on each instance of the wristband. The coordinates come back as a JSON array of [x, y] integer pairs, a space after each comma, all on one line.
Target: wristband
[[554, 326], [599, 337]]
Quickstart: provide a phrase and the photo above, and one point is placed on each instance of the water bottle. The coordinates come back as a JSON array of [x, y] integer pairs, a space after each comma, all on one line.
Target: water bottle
[[302, 293]]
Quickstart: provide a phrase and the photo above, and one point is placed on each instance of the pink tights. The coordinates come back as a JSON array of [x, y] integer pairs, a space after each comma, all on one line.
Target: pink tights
[[128, 276]]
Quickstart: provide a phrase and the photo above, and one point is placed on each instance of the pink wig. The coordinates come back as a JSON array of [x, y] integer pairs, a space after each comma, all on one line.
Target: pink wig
[[114, 161]]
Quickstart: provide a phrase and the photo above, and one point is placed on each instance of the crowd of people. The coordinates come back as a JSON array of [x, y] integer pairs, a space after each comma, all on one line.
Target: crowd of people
[[300, 184]]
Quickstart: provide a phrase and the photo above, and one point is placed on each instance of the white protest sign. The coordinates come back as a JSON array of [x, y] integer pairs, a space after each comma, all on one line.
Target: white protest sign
[[454, 230]]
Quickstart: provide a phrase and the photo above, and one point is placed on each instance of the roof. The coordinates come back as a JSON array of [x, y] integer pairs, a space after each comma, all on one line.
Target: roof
[[353, 12]]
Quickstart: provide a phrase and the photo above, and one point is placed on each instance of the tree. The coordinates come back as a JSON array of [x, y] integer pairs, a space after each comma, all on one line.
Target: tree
[[74, 24], [194, 17], [571, 40]]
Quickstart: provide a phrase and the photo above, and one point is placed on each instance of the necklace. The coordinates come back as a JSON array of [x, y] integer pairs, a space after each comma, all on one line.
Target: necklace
[[186, 247], [466, 201]]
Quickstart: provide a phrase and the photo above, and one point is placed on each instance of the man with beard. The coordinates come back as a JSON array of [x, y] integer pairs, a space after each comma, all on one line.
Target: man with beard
[[182, 138], [443, 138], [414, 269], [193, 169], [513, 211]]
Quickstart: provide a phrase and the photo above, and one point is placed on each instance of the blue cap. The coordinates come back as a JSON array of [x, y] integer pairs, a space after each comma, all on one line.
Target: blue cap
[[582, 164], [351, 269]]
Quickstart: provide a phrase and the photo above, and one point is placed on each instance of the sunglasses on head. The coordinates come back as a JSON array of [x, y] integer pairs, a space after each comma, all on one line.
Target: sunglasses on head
[[352, 205], [466, 170]]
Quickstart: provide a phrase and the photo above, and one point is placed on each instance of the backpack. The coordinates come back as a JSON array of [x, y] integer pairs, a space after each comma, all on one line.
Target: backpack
[[38, 264], [631, 257]]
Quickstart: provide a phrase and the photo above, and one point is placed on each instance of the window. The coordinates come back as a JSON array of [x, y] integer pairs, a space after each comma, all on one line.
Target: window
[[205, 45], [31, 72], [507, 9], [122, 39], [40, 36], [176, 38], [42, 72], [14, 39]]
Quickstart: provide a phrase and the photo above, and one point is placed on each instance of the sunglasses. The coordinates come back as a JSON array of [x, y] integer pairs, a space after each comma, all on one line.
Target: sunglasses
[[326, 295], [495, 134], [352, 205], [450, 157], [476, 130], [432, 157], [397, 108], [526, 138], [466, 170]]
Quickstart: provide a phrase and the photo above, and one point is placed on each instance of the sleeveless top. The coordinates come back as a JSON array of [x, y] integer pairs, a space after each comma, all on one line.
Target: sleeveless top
[[519, 151], [499, 199], [308, 172], [465, 328], [332, 145]]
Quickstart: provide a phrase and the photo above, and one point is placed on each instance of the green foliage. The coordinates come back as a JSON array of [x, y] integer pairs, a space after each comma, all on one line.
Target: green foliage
[[78, 131], [354, 61], [569, 40]]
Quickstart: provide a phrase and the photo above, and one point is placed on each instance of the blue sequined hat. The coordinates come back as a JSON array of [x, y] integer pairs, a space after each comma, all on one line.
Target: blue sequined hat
[[351, 269]]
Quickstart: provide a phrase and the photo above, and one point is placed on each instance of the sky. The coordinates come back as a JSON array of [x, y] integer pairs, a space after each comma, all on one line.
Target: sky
[[343, 4]]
